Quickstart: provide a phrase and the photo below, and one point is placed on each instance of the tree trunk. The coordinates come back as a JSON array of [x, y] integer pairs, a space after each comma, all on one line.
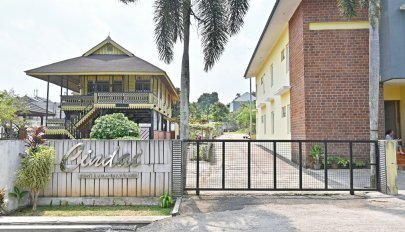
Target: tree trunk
[[185, 74], [34, 197], [374, 86]]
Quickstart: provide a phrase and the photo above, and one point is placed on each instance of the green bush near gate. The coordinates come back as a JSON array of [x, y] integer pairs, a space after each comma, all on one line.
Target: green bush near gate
[[114, 126]]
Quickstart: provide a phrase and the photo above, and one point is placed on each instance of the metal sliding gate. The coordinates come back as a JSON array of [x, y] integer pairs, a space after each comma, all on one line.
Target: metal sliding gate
[[280, 165]]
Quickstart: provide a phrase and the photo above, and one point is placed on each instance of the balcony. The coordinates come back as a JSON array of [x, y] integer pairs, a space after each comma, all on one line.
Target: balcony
[[109, 98]]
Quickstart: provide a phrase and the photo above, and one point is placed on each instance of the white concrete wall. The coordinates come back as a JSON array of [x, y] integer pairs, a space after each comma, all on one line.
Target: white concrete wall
[[9, 164]]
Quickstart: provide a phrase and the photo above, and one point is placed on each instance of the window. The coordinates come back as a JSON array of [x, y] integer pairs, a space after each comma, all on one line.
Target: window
[[117, 87], [264, 124], [142, 86], [271, 75], [288, 119], [284, 112], [263, 84], [282, 55], [98, 87], [272, 123], [287, 63]]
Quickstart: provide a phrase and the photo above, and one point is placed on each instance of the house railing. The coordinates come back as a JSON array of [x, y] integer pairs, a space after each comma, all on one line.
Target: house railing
[[110, 98]]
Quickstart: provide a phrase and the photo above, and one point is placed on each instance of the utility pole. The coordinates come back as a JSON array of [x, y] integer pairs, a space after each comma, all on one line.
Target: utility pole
[[251, 113]]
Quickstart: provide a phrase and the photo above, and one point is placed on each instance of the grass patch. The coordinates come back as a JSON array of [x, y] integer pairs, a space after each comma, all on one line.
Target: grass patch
[[69, 211]]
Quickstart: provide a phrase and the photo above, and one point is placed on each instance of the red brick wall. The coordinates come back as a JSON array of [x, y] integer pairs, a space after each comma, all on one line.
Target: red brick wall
[[329, 75], [297, 96], [336, 75]]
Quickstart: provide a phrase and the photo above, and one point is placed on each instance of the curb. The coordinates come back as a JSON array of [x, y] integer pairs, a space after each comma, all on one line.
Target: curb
[[176, 207], [84, 220]]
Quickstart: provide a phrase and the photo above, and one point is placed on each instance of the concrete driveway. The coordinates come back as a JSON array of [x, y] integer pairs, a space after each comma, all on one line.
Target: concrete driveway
[[287, 212]]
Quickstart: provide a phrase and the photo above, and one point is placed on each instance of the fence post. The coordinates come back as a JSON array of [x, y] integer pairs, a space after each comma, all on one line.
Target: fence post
[[178, 172], [197, 192], [223, 164], [300, 160], [392, 167], [275, 165], [326, 165], [377, 162], [351, 168], [249, 164]]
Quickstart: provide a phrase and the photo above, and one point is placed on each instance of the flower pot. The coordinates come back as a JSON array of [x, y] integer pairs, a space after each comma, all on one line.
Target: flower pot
[[334, 166], [317, 166]]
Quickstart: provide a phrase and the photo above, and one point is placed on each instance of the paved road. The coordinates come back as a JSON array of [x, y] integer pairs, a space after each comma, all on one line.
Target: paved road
[[287, 212]]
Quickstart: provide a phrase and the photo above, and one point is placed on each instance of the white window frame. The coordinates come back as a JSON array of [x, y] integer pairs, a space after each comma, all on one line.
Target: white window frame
[[287, 55], [283, 111], [263, 84], [288, 119], [272, 75]]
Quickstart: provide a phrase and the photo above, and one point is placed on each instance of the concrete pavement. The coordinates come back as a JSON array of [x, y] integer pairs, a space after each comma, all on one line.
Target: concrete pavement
[[287, 212]]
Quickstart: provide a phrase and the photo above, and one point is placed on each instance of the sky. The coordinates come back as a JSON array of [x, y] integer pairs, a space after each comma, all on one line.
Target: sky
[[41, 32]]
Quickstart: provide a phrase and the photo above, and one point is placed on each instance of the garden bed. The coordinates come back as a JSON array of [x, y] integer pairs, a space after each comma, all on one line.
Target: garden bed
[[70, 211]]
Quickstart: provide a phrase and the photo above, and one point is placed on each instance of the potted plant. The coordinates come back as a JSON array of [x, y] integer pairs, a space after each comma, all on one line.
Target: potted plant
[[342, 162], [333, 161], [316, 154]]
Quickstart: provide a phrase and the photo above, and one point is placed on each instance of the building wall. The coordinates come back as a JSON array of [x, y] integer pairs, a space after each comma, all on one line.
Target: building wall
[[335, 80], [267, 86], [392, 37]]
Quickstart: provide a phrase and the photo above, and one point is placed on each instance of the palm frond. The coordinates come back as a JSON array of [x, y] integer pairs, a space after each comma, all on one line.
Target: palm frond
[[128, 1], [348, 7], [214, 29], [168, 26], [364, 4], [237, 10]]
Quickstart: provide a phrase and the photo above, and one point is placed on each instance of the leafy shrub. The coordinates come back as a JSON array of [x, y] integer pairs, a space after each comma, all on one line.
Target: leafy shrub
[[129, 138], [316, 153], [35, 137], [18, 194], [359, 164], [333, 160], [36, 170], [114, 126], [2, 200], [166, 200], [343, 162]]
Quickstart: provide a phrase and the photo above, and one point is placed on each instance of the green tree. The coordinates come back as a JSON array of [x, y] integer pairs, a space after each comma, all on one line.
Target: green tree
[[217, 20], [220, 112], [11, 105], [8, 108], [114, 126], [349, 9], [206, 103]]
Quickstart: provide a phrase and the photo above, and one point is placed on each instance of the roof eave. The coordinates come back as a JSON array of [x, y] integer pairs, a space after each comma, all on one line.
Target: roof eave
[[288, 8]]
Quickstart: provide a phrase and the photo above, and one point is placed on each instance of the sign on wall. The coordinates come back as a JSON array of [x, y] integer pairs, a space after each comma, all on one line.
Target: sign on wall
[[110, 168]]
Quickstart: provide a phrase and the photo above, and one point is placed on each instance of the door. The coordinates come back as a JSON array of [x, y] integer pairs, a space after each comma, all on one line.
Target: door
[[392, 117]]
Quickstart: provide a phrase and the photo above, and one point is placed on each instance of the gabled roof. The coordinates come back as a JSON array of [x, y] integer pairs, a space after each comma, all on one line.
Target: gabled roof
[[278, 21], [106, 42], [106, 58], [244, 98]]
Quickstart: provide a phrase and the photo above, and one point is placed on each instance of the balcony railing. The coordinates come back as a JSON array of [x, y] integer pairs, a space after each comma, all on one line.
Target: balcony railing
[[110, 98], [77, 100]]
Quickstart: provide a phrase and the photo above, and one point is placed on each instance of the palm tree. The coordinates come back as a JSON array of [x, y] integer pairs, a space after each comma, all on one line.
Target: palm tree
[[217, 20], [348, 9]]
